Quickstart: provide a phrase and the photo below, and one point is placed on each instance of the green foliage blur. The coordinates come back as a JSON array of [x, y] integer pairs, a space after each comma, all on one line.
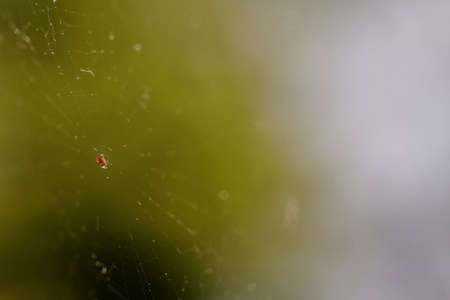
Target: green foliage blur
[[159, 87]]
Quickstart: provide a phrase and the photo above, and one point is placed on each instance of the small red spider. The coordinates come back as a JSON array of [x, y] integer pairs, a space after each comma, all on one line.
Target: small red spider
[[101, 161]]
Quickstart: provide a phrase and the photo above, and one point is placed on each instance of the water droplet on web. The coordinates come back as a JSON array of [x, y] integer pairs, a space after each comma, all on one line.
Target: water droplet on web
[[65, 163], [223, 195], [251, 287], [137, 47], [62, 212], [143, 104], [111, 36], [179, 111]]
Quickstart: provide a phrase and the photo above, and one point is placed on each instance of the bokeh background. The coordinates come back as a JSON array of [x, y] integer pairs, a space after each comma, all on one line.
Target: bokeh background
[[305, 141]]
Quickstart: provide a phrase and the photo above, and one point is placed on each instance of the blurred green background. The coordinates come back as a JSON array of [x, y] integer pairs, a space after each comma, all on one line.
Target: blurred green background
[[200, 199], [257, 149]]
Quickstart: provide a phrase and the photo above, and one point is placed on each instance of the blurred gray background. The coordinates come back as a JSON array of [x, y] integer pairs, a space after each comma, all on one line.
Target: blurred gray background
[[368, 83]]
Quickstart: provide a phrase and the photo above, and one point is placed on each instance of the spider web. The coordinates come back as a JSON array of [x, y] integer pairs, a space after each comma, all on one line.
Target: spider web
[[186, 100], [172, 215]]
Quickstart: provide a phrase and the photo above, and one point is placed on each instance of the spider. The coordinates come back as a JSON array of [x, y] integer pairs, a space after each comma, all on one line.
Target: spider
[[101, 160]]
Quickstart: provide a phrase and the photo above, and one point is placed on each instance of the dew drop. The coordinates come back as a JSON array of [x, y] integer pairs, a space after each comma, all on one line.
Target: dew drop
[[143, 104], [178, 111], [223, 195], [137, 47], [251, 287]]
